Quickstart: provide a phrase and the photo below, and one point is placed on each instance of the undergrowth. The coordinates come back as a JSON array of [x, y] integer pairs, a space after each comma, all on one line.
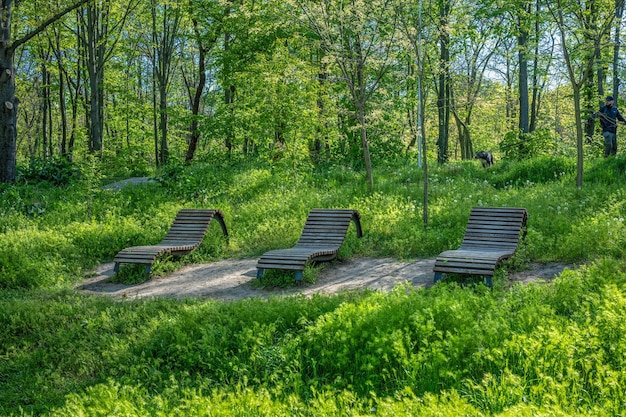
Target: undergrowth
[[455, 349]]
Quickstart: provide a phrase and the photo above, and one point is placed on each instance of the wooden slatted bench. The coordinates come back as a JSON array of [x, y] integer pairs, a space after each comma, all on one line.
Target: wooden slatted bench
[[492, 235], [185, 235], [322, 237]]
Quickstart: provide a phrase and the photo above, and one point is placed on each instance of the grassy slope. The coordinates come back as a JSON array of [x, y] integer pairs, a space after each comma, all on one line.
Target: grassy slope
[[536, 350]]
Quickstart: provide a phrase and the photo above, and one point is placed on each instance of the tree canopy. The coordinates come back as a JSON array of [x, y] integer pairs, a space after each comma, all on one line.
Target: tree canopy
[[303, 82]]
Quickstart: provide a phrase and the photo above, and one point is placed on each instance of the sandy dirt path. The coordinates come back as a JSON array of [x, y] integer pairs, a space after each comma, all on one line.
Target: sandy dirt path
[[233, 279]]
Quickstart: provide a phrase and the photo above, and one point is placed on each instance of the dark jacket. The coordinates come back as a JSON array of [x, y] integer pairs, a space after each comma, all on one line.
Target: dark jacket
[[608, 118]]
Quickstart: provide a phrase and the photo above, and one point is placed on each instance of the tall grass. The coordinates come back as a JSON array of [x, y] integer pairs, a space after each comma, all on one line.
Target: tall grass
[[536, 350]]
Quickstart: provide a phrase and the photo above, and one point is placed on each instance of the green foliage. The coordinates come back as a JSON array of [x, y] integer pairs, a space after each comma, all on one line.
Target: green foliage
[[540, 170], [58, 172], [452, 349], [519, 146], [607, 170], [130, 274], [265, 208], [32, 258], [537, 349]]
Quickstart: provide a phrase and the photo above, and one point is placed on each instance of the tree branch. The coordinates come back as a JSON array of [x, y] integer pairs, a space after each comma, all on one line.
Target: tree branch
[[44, 25]]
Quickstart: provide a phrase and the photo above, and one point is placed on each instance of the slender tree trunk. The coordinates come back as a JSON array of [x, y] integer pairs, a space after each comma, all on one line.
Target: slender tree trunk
[[366, 150], [321, 139], [412, 108], [534, 104], [45, 108], [522, 43], [589, 99], [579, 138], [443, 94], [510, 105], [619, 12], [422, 114], [55, 45], [360, 101], [229, 100], [164, 155], [165, 46], [155, 123], [62, 108]]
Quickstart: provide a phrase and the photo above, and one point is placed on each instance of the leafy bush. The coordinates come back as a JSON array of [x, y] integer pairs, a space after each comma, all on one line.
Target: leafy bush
[[58, 172], [519, 146], [538, 170], [31, 258], [607, 170]]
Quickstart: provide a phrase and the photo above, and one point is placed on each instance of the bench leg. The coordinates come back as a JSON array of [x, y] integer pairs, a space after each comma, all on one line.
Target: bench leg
[[488, 281], [298, 275], [148, 268], [438, 277], [116, 268], [259, 273]]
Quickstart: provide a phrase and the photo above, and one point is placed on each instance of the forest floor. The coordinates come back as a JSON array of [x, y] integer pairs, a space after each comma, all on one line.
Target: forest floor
[[234, 279]]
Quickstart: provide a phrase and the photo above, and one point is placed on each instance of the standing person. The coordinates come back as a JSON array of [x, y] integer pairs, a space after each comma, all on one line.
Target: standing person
[[609, 115]]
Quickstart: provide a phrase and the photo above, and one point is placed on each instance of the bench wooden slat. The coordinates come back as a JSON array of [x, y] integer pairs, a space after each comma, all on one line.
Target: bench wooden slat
[[492, 235], [185, 235], [323, 234]]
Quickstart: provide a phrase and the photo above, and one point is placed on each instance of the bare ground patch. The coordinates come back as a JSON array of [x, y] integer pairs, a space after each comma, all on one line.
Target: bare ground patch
[[233, 279]]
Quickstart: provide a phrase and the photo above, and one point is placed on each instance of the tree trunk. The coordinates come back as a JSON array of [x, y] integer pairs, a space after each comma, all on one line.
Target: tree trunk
[[522, 43], [164, 154], [229, 100], [321, 139], [46, 127], [197, 98], [465, 139], [443, 95], [510, 105], [359, 97], [579, 137], [62, 105], [412, 109], [369, 175], [534, 104], [95, 58], [8, 101], [619, 12]]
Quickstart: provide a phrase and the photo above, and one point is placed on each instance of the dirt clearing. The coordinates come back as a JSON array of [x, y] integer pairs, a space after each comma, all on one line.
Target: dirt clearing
[[233, 279]]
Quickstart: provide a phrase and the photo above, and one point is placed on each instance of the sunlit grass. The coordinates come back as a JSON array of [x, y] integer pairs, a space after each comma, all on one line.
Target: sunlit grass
[[457, 348]]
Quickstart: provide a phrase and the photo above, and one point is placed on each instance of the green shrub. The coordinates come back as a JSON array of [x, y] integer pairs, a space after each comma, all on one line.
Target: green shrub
[[31, 258], [519, 146], [539, 170], [58, 172], [607, 170]]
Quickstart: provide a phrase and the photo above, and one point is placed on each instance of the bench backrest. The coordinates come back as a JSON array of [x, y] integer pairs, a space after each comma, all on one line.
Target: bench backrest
[[497, 228], [328, 227], [190, 225]]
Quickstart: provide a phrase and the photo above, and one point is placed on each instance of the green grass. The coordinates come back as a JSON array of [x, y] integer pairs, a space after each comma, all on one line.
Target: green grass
[[450, 350]]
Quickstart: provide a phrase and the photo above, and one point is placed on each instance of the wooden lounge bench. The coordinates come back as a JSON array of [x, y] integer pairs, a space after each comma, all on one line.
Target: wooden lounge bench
[[185, 234], [323, 234], [492, 235]]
